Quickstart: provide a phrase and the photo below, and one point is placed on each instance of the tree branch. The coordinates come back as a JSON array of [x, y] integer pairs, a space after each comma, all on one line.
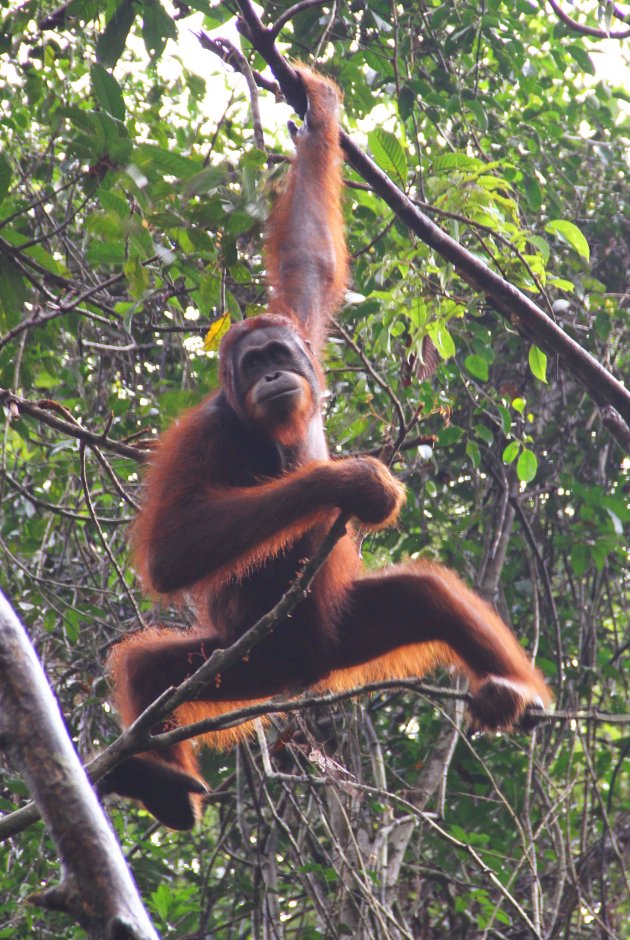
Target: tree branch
[[587, 30], [284, 18], [96, 887], [41, 411], [514, 306]]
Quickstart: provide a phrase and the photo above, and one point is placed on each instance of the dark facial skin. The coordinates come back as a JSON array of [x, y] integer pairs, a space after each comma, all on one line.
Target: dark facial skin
[[274, 374]]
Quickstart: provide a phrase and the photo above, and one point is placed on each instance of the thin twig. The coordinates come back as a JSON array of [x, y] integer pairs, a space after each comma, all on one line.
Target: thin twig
[[104, 541], [371, 371], [293, 11], [41, 411]]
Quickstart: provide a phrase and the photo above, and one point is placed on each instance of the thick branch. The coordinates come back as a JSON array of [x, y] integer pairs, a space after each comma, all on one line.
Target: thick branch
[[132, 741], [97, 888], [192, 687], [137, 736], [518, 309]]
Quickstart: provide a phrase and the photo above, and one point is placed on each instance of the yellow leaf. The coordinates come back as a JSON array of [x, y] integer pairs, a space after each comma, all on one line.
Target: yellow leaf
[[218, 329]]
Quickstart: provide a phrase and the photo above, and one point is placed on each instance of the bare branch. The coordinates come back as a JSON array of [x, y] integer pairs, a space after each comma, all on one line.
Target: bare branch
[[587, 30], [293, 11], [96, 887], [41, 411], [234, 57]]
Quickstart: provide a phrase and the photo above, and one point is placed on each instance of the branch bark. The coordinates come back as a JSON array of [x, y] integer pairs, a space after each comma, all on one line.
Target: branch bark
[[514, 306], [42, 412], [96, 886], [587, 30]]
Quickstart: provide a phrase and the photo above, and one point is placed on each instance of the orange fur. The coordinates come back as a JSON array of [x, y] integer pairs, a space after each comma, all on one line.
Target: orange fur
[[313, 186], [222, 740], [407, 662], [237, 496]]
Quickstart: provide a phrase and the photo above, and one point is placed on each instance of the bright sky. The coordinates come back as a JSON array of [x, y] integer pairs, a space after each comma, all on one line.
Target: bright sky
[[611, 59], [201, 62]]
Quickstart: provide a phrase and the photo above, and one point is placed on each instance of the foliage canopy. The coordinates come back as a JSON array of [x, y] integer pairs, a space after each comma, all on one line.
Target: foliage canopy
[[132, 201]]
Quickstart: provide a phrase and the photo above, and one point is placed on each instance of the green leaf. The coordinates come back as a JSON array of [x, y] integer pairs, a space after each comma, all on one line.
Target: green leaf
[[46, 260], [477, 367], [582, 58], [103, 134], [477, 109], [5, 176], [137, 277], [388, 153], [506, 419], [112, 202], [203, 181], [484, 433], [166, 162], [111, 43], [532, 191], [580, 557], [106, 253], [562, 284], [527, 465], [538, 363], [209, 293], [600, 552], [254, 159], [239, 221], [406, 102], [518, 404], [541, 245], [107, 91], [450, 435], [45, 380], [442, 339], [570, 234], [455, 161], [161, 901], [418, 312], [473, 452], [618, 504], [510, 452], [157, 28]]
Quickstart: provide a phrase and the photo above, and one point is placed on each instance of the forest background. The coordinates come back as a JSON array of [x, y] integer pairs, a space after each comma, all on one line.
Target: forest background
[[138, 163]]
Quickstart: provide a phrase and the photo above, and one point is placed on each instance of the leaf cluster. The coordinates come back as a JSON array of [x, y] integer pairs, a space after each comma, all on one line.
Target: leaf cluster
[[132, 204]]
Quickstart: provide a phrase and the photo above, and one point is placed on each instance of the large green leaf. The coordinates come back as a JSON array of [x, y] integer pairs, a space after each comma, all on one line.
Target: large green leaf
[[157, 28], [571, 234], [107, 91], [388, 153], [538, 363], [526, 465], [111, 43], [151, 157]]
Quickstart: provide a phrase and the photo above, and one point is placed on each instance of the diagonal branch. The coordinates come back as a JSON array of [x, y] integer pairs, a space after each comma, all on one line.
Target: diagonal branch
[[41, 412], [96, 887], [284, 18], [514, 306]]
